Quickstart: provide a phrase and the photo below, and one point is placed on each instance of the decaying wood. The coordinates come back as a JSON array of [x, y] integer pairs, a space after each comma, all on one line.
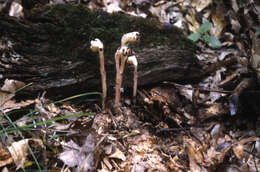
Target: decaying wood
[[51, 49]]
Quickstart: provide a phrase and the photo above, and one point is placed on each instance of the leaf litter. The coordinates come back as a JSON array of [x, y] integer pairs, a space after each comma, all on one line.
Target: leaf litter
[[210, 126]]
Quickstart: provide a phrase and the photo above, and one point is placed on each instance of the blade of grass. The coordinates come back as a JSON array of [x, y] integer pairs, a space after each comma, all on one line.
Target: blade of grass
[[16, 128], [15, 93], [77, 96], [60, 101], [5, 131], [43, 122], [27, 85], [21, 135]]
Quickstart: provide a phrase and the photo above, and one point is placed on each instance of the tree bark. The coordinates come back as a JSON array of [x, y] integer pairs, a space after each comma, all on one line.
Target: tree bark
[[51, 50]]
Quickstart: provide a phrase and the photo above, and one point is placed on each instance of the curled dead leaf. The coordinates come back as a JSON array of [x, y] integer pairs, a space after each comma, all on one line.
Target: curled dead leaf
[[239, 151], [19, 150], [201, 4], [118, 155], [11, 85], [7, 91], [5, 158]]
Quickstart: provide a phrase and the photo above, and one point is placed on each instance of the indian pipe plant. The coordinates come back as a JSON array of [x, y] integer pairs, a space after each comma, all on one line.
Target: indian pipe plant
[[97, 46], [121, 56], [127, 38]]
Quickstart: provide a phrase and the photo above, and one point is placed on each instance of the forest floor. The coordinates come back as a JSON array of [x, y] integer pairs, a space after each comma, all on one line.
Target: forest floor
[[209, 126]]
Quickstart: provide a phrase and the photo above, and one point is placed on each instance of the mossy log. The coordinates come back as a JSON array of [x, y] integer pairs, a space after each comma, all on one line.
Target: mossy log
[[51, 49]]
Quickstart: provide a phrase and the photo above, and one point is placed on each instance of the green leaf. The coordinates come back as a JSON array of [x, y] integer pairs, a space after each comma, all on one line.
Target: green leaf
[[212, 41], [205, 27], [194, 37]]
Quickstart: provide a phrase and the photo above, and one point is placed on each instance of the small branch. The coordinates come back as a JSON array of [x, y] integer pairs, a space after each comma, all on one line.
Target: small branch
[[201, 89]]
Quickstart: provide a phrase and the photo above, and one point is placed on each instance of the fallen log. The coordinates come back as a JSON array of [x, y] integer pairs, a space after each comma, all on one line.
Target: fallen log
[[51, 49]]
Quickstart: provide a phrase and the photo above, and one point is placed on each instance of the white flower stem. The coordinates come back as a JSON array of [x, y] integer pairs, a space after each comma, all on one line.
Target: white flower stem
[[117, 95], [103, 77]]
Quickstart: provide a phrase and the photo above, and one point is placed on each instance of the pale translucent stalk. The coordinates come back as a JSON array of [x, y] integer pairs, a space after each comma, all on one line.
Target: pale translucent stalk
[[117, 89], [103, 77]]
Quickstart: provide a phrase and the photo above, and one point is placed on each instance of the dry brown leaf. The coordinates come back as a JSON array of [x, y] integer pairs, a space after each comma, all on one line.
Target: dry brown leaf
[[70, 154], [12, 105], [81, 158], [53, 108], [138, 168], [219, 22], [5, 169], [235, 25], [216, 154], [195, 157], [8, 90], [255, 60], [107, 163], [250, 139], [216, 131], [4, 97], [5, 158], [194, 153], [239, 151], [239, 148], [12, 85], [192, 22], [234, 5], [112, 6], [118, 155], [19, 150], [201, 4], [253, 163], [214, 109], [160, 10]]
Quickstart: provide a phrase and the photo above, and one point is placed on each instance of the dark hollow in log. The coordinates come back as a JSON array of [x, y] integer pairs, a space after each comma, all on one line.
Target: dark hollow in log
[[51, 49]]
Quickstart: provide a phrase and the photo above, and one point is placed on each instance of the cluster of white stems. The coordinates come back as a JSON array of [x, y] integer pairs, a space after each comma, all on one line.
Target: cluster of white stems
[[122, 55]]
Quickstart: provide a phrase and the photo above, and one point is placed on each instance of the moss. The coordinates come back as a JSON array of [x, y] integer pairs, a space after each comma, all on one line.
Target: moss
[[72, 27], [65, 31]]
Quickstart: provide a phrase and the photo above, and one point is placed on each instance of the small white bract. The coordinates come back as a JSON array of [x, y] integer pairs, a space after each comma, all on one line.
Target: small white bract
[[96, 45], [132, 60], [131, 37], [125, 51]]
